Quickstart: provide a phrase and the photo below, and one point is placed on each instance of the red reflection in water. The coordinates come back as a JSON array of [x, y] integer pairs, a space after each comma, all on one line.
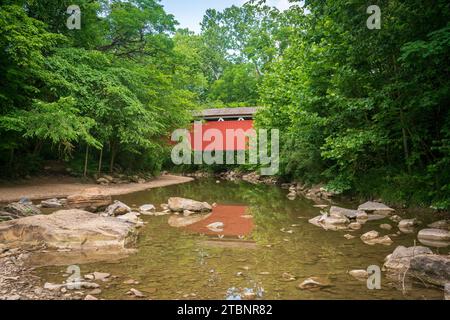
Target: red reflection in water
[[235, 219]]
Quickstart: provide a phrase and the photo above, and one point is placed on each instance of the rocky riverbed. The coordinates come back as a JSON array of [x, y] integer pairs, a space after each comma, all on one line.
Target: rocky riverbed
[[323, 249]]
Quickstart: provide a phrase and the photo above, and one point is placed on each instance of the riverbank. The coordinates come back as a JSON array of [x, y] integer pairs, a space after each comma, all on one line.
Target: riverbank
[[62, 187]]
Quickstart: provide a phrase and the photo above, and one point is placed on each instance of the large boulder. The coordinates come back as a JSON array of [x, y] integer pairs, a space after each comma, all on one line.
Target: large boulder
[[434, 269], [68, 229], [434, 237], [399, 260], [376, 208], [91, 199], [434, 234], [177, 204]]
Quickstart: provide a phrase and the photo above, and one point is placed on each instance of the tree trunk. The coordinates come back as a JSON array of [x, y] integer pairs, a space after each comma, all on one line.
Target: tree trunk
[[86, 161], [11, 160], [37, 147], [113, 156], [405, 140], [100, 161]]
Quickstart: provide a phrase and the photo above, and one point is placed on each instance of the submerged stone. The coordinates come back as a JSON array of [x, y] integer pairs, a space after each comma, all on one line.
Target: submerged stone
[[182, 221]]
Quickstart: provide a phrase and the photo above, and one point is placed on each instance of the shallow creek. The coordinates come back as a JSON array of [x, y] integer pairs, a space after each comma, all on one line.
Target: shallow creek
[[186, 263]]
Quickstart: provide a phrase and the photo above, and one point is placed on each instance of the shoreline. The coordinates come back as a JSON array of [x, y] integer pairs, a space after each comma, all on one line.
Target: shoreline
[[39, 189]]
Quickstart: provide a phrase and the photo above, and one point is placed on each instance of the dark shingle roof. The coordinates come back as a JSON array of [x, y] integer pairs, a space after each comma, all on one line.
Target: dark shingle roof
[[238, 112]]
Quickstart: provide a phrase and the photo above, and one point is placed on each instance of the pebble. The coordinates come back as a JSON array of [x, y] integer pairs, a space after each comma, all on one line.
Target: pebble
[[101, 275], [95, 292], [359, 274], [355, 226], [311, 283], [131, 281], [136, 293]]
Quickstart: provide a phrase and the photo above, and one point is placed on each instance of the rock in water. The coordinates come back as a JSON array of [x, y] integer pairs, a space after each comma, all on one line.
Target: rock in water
[[439, 238], [407, 223], [434, 234], [399, 260], [101, 275], [386, 226], [136, 293], [216, 226], [177, 204], [117, 209], [372, 238], [68, 229], [330, 223], [370, 235], [355, 226], [376, 208], [312, 283], [131, 217], [395, 218], [19, 209], [351, 214], [91, 199], [359, 274], [147, 209], [51, 203], [434, 268], [442, 224], [182, 221]]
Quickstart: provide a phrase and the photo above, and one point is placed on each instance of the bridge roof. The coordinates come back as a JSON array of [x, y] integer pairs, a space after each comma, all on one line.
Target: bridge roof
[[227, 112]]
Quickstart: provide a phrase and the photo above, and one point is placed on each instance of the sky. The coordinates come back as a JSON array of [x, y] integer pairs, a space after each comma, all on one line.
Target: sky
[[189, 13]]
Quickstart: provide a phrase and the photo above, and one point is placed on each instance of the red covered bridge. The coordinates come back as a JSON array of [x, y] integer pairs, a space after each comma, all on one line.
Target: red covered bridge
[[223, 119]]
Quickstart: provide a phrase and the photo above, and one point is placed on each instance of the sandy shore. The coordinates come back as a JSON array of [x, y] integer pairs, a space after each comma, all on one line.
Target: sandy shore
[[45, 188]]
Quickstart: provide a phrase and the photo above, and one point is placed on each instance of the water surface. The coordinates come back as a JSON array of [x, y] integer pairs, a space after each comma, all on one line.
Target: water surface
[[173, 263]]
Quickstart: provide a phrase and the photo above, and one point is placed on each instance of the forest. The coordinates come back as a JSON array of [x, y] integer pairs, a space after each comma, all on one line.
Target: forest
[[364, 111]]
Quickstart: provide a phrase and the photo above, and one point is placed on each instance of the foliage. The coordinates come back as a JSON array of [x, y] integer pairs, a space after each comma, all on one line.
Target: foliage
[[113, 86], [360, 107]]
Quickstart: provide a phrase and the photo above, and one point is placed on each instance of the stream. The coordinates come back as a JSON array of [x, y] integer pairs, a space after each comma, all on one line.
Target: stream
[[270, 254]]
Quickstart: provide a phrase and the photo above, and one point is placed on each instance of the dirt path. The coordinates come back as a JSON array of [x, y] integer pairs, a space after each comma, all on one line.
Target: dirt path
[[45, 188]]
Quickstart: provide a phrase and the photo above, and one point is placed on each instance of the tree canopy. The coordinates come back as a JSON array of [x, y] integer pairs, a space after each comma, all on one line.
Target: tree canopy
[[364, 111]]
